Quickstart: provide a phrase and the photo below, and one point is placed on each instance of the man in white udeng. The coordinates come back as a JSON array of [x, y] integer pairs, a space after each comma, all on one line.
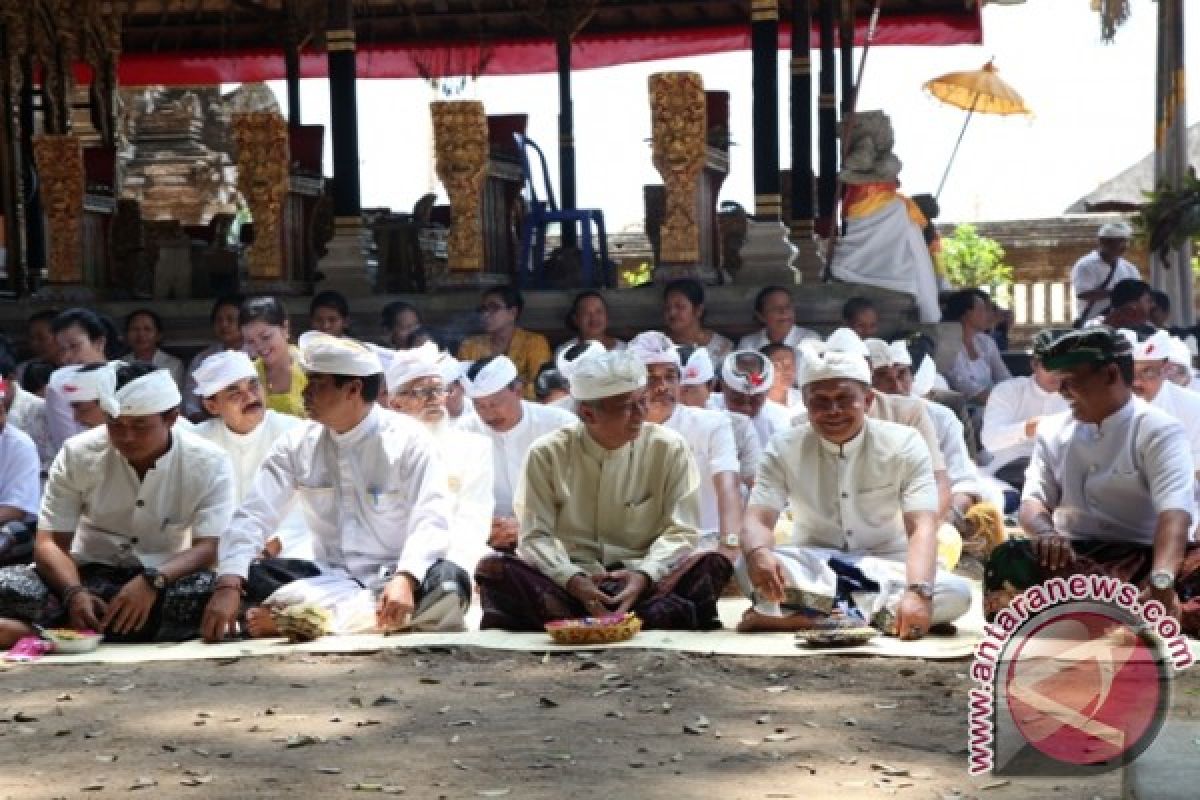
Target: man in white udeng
[[746, 377], [1150, 383], [227, 384], [375, 498], [709, 434], [865, 505], [417, 387], [511, 423], [1094, 275]]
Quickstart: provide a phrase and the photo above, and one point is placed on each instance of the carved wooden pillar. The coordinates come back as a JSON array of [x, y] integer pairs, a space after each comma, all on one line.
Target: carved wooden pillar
[[59, 159], [460, 142], [679, 138], [261, 138]]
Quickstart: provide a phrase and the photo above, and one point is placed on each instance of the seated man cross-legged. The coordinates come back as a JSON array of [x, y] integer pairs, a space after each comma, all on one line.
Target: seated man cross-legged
[[1109, 490], [375, 499], [608, 510], [865, 504], [130, 520]]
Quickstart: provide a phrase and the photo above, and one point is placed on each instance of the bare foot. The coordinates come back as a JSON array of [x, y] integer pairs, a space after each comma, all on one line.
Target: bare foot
[[753, 621], [260, 624], [12, 631]]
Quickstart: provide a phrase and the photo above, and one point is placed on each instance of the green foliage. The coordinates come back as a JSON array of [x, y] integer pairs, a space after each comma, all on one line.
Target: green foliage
[[969, 259], [1168, 218], [637, 277]]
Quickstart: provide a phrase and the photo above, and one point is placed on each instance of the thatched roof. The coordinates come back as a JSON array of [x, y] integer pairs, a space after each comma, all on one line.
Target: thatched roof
[[1125, 191]]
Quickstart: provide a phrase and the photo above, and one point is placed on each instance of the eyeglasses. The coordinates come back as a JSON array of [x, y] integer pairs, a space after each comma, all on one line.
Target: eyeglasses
[[1148, 373], [491, 308], [428, 393]]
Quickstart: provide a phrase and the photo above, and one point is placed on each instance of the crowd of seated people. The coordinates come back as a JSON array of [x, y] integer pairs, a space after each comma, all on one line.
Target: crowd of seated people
[[833, 481]]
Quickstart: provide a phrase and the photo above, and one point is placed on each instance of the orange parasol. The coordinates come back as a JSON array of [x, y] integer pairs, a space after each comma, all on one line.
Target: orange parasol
[[978, 90]]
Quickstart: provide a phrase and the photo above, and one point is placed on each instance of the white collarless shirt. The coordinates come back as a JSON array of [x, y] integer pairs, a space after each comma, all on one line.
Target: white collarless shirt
[[1183, 406], [20, 471], [709, 434], [28, 413], [467, 457], [759, 339], [1010, 405], [1089, 272]]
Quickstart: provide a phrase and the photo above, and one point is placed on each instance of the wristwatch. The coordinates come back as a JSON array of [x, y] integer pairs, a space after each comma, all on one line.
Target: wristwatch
[[922, 588], [731, 540], [1162, 580], [156, 579]]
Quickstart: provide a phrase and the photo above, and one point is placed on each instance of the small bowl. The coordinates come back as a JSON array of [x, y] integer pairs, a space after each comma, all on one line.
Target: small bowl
[[69, 642], [594, 630], [837, 637]]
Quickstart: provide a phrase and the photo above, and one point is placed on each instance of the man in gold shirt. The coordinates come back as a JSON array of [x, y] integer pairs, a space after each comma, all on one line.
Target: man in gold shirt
[[608, 509]]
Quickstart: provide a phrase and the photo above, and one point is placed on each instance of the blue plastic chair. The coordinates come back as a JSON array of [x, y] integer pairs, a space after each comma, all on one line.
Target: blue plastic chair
[[542, 213]]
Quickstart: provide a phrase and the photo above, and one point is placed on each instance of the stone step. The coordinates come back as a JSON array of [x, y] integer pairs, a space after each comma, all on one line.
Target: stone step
[[1170, 768]]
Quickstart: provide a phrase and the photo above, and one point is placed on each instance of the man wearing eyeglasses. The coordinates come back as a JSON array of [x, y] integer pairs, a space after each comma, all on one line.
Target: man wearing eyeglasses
[[1110, 485], [417, 387], [865, 504], [498, 314]]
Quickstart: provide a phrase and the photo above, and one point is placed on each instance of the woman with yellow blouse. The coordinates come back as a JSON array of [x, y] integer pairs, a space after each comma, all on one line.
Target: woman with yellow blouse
[[499, 311], [264, 324]]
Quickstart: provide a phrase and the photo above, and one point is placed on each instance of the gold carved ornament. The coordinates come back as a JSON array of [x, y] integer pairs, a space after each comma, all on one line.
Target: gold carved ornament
[[460, 139], [59, 160], [261, 138], [678, 123]]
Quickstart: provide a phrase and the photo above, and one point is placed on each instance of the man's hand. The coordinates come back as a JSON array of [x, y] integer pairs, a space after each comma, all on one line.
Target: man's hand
[[130, 609], [1053, 550], [503, 535], [85, 611], [221, 613], [396, 603], [633, 585], [766, 573], [912, 615], [1031, 426], [584, 589], [1168, 597]]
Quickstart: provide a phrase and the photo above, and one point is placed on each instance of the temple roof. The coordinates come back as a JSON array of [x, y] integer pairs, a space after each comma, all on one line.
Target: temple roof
[[206, 41]]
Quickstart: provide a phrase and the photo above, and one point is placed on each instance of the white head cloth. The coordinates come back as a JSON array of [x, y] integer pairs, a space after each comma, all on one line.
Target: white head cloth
[[845, 340], [451, 368], [654, 347], [831, 365], [1155, 348], [221, 370], [335, 355], [879, 353], [566, 365], [408, 365], [900, 354], [1179, 353], [747, 382], [496, 374], [85, 387], [606, 375], [698, 369], [153, 393], [925, 378], [1115, 230]]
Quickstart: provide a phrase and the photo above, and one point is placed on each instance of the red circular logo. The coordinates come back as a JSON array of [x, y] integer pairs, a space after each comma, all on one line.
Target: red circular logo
[[1084, 687]]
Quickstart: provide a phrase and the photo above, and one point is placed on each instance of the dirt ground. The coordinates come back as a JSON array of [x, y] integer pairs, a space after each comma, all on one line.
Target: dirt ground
[[460, 723]]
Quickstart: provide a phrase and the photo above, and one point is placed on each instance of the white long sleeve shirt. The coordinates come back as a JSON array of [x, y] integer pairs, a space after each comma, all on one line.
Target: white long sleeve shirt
[[974, 377], [510, 448], [1010, 405], [1089, 273], [28, 413], [709, 434], [1183, 405], [468, 460], [375, 499], [20, 471]]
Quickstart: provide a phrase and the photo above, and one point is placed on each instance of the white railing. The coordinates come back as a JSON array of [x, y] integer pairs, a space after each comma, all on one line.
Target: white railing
[[1039, 304]]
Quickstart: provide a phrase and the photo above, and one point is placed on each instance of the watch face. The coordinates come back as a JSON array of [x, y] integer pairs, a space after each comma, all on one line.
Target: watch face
[[1162, 580]]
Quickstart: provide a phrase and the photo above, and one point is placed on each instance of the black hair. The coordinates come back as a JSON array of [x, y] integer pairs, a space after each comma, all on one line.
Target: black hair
[[372, 385], [510, 295], [7, 365], [144, 312], [477, 367], [549, 379], [330, 299], [769, 350], [1125, 368], [127, 371], [36, 375], [85, 319], [574, 351], [395, 309], [264, 309], [961, 302], [855, 306], [920, 346], [418, 336], [690, 288], [46, 315], [569, 320], [1128, 291], [760, 299], [1162, 300], [234, 300]]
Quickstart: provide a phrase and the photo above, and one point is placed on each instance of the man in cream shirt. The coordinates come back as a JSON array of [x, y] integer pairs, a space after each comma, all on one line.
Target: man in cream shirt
[[130, 520], [608, 510], [374, 495], [865, 505]]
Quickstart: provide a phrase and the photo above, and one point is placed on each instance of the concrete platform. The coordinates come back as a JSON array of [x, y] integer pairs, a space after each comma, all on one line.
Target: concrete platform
[[1170, 768]]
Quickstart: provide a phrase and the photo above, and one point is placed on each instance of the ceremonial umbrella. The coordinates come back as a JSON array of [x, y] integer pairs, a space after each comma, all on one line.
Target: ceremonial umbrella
[[977, 90]]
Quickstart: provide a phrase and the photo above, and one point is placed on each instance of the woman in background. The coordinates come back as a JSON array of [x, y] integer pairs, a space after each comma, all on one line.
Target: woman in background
[[266, 332]]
